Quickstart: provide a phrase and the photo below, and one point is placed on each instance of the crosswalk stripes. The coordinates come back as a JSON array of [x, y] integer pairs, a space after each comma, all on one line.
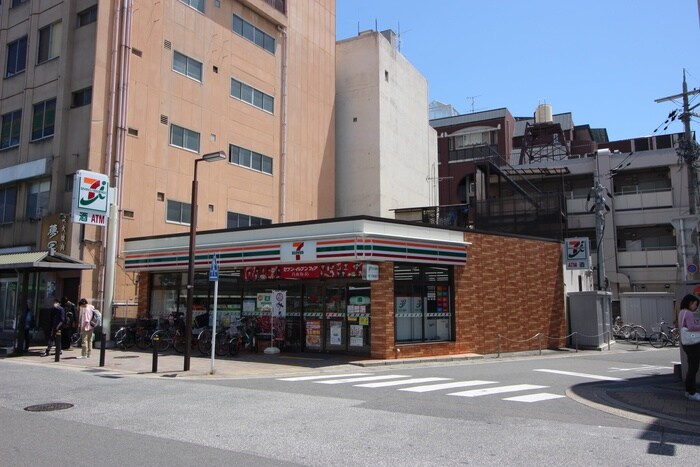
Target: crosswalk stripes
[[360, 379], [581, 375], [452, 385], [316, 377], [496, 390], [403, 382], [541, 396], [418, 384]]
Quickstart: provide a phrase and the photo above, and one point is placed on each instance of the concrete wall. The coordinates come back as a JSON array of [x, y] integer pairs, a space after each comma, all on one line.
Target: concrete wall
[[385, 145]]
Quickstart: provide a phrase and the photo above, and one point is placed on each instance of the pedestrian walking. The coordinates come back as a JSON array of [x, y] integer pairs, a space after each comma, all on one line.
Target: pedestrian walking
[[28, 321], [70, 324], [86, 327], [687, 319], [57, 318]]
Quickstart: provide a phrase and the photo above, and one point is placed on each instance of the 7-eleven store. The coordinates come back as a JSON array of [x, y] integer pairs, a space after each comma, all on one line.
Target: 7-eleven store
[[353, 285]]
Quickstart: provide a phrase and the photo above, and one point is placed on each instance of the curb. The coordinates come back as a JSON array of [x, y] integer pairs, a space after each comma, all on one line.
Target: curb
[[598, 398]]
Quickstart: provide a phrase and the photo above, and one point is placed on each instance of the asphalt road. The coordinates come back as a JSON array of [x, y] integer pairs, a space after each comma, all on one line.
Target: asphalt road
[[489, 412]]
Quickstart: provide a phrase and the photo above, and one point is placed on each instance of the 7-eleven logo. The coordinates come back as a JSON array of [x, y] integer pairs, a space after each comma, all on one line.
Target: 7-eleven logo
[[301, 250], [298, 250]]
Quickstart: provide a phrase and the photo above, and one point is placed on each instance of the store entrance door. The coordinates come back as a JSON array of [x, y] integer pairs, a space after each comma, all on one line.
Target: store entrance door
[[336, 317]]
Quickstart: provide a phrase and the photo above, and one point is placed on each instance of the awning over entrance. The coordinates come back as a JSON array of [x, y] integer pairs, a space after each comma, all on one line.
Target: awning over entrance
[[40, 261], [346, 239]]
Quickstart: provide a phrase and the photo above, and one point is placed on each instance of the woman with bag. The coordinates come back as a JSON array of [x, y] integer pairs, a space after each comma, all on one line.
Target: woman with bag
[[689, 325]]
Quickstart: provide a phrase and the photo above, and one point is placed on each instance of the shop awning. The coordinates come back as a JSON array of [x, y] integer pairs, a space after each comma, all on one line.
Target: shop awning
[[40, 261], [354, 239]]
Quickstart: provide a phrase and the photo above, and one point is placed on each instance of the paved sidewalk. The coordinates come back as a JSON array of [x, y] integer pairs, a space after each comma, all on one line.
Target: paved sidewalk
[[656, 400]]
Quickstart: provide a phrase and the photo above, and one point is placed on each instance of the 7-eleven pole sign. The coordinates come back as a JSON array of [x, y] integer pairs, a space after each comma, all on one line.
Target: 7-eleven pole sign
[[91, 197]]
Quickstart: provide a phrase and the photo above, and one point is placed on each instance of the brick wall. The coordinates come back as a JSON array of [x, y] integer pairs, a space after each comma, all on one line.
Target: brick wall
[[511, 287]]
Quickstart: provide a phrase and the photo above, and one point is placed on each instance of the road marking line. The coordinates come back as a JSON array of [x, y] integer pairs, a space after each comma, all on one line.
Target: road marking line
[[452, 385], [641, 368], [542, 396], [496, 390], [365, 378], [385, 384], [311, 378], [582, 375]]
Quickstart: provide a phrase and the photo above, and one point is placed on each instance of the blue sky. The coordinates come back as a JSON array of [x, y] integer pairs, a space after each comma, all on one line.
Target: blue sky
[[605, 61]]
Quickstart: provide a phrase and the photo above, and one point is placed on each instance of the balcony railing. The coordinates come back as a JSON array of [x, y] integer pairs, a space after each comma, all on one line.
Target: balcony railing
[[623, 201], [647, 258], [474, 152]]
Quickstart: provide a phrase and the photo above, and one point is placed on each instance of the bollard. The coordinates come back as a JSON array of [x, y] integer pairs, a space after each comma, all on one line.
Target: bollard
[[576, 341], [58, 345], [103, 346], [154, 342], [539, 341], [499, 347]]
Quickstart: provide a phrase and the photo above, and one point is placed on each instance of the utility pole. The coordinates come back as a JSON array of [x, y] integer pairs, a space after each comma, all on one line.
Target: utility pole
[[600, 208], [687, 226], [688, 148]]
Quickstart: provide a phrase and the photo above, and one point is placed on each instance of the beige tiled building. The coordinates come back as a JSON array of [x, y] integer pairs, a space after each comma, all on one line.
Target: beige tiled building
[[139, 90]]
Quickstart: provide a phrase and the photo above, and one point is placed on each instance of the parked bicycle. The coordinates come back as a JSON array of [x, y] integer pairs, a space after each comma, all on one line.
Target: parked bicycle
[[663, 338], [632, 332], [125, 337]]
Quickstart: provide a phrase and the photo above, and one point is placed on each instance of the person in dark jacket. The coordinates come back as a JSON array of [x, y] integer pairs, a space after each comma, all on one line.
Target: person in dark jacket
[[28, 320], [57, 318], [70, 324]]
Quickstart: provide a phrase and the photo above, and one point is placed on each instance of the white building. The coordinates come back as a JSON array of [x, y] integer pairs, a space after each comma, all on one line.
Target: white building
[[384, 143]]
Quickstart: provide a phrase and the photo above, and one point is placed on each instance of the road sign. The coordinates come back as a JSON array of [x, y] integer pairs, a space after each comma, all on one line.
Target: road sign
[[214, 269], [692, 268]]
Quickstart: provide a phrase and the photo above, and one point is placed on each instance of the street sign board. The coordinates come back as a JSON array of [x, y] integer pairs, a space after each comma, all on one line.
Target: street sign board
[[91, 198], [214, 269]]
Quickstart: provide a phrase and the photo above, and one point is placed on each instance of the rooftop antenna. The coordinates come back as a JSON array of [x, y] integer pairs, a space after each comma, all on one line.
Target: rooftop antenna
[[398, 37], [472, 99]]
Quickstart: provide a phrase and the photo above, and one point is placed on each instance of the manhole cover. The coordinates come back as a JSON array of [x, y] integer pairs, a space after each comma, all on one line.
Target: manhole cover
[[48, 407]]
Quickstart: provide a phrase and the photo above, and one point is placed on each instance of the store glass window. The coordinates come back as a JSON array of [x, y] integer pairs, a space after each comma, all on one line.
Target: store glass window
[[423, 303]]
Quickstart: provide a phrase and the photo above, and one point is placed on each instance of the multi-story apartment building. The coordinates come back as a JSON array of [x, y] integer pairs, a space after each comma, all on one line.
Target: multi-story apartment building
[[138, 90], [499, 168]]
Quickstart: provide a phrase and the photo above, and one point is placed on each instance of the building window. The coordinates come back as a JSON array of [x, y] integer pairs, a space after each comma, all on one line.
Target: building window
[[49, 42], [252, 96], [38, 199], [178, 212], [16, 57], [184, 138], [422, 303], [235, 220], [187, 66], [81, 97], [15, 3], [253, 34], [44, 119], [196, 4], [480, 138], [11, 123], [8, 201], [87, 16], [249, 159]]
